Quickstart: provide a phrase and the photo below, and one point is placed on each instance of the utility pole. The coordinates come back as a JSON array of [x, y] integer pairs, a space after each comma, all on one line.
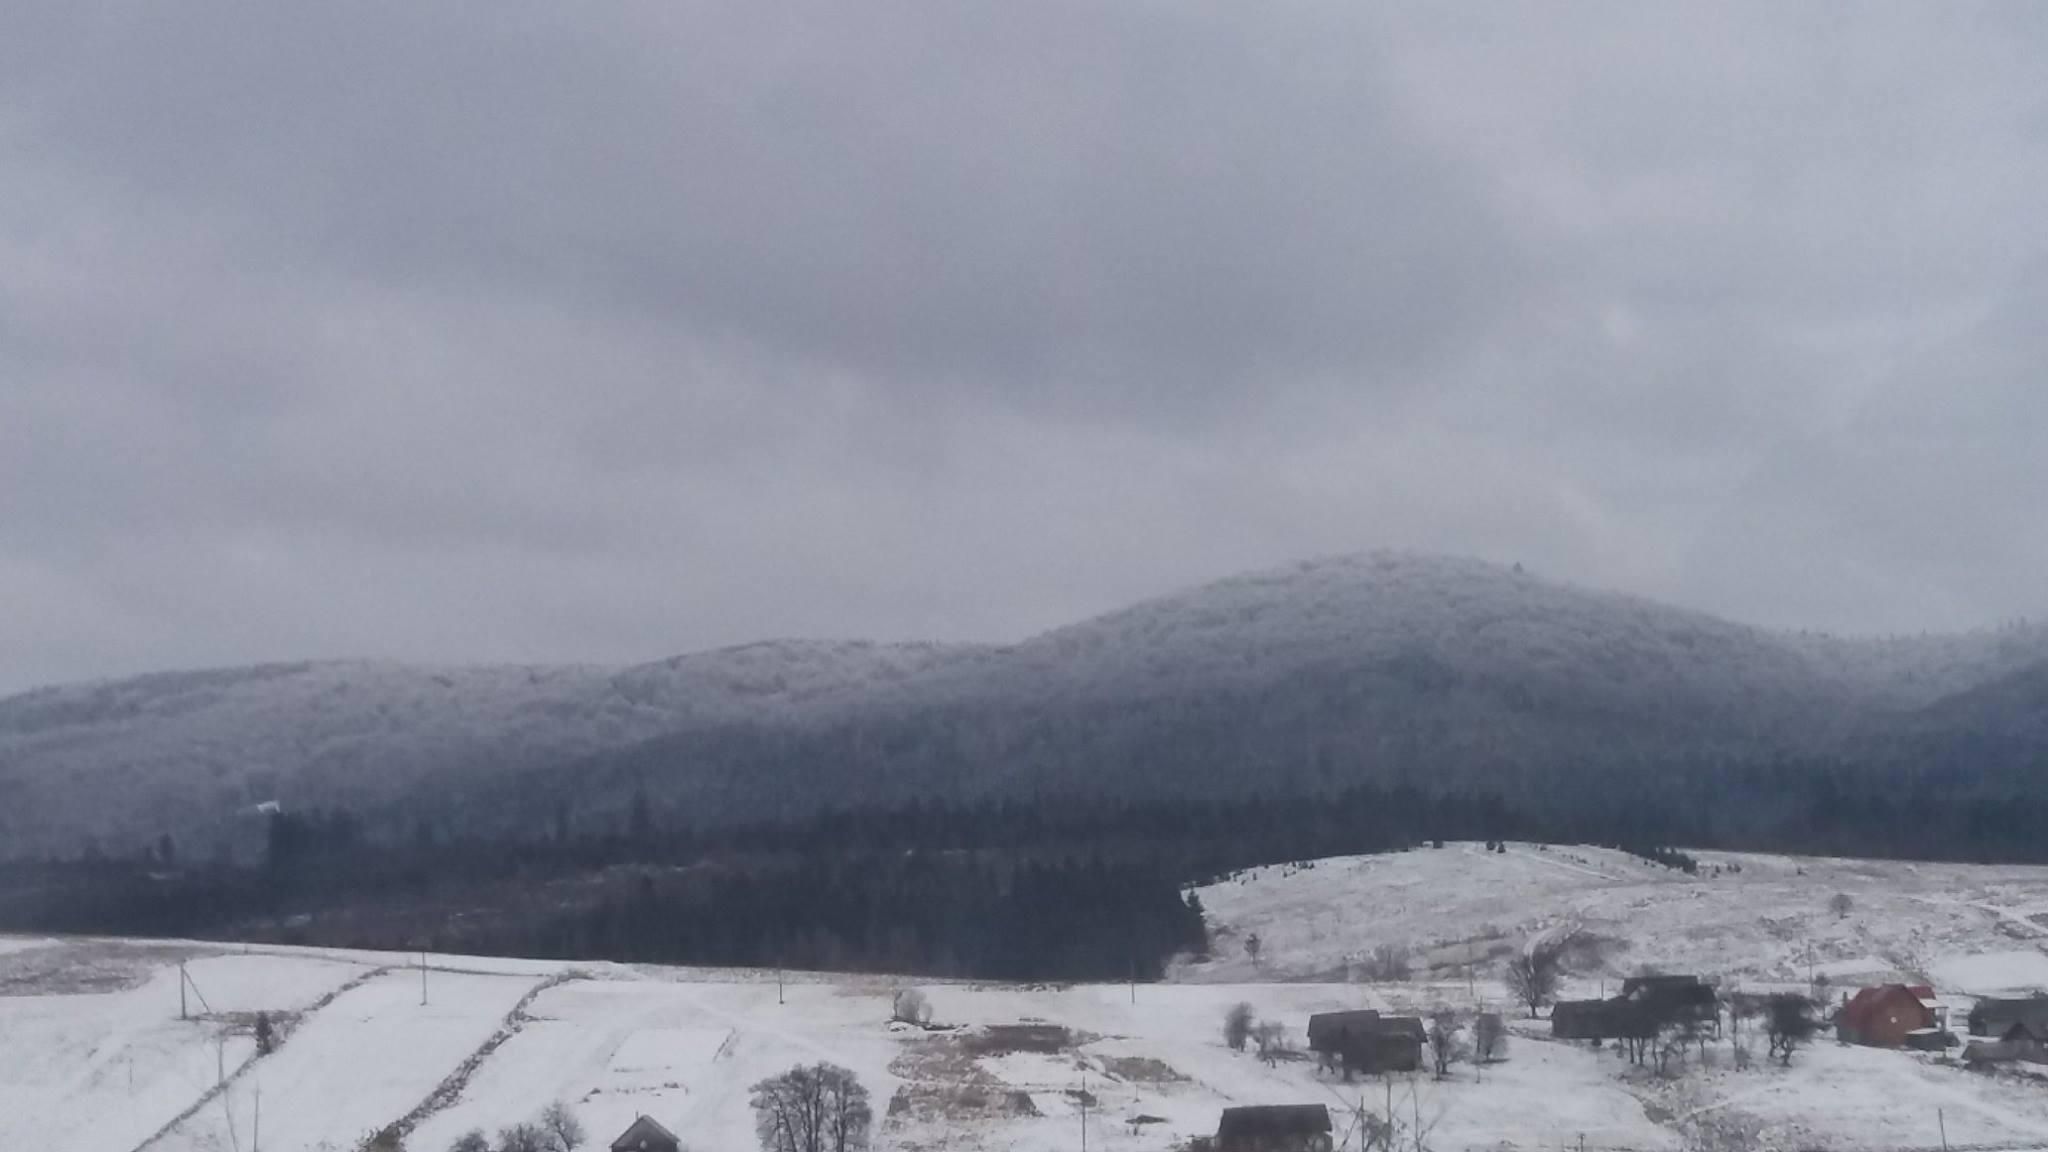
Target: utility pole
[[1943, 1121], [1415, 1111], [227, 1103], [181, 990], [423, 977], [256, 1135], [1084, 1112], [778, 983]]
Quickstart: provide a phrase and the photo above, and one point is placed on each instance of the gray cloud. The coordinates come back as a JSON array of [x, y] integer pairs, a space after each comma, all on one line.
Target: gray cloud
[[442, 330]]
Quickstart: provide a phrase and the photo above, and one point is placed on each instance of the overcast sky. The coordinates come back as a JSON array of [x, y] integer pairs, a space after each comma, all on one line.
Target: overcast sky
[[543, 331]]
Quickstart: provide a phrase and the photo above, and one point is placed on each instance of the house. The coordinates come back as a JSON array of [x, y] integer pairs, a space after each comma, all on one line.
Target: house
[[1366, 1042], [1646, 1006], [1665, 1000], [1274, 1128], [1994, 1017], [1886, 1015], [644, 1135]]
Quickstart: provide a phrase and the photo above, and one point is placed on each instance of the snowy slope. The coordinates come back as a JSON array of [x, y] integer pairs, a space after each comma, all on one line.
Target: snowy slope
[[1749, 919], [357, 1064], [83, 1072]]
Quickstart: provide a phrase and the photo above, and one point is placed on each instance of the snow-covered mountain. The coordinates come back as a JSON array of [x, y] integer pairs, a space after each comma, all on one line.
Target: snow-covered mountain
[[1363, 666], [185, 751], [1384, 666]]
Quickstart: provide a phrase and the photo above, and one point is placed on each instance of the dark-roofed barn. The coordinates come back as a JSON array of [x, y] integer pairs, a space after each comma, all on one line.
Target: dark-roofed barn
[[1331, 1034], [1274, 1128], [1580, 1020], [1673, 999], [644, 1135], [1366, 1042], [1994, 1017]]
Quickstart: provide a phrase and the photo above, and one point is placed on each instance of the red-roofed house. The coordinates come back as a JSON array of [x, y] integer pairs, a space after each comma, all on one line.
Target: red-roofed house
[[1884, 1015]]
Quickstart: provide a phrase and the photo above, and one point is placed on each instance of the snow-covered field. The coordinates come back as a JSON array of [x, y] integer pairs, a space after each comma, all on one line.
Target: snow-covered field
[[1746, 919], [94, 1057]]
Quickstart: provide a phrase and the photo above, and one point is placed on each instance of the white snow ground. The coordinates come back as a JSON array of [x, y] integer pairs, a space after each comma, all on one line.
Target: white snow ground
[[1745, 918], [93, 1057]]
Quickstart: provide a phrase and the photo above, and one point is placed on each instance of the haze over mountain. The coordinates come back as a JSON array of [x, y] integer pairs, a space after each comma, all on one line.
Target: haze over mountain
[[1440, 671]]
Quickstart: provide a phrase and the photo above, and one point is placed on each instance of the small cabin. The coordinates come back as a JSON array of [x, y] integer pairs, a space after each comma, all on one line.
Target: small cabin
[[1274, 1128], [644, 1135]]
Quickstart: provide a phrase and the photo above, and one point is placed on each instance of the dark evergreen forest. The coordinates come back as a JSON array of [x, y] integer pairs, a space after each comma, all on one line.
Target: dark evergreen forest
[[1056, 888]]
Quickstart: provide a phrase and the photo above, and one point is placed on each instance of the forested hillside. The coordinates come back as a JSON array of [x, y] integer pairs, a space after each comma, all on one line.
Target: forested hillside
[[1382, 669]]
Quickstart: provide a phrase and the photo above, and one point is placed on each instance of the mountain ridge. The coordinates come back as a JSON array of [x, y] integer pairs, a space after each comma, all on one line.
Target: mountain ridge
[[1367, 665]]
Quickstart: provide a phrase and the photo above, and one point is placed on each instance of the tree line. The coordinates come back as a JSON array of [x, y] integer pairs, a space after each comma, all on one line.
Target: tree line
[[1055, 887], [1050, 889]]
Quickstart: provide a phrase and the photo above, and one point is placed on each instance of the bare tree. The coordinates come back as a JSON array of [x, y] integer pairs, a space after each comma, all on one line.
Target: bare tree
[[471, 1141], [1534, 975], [1789, 1022], [1251, 948], [911, 1007], [812, 1108], [1840, 904], [1237, 1026], [522, 1138], [1489, 1037], [1271, 1038], [266, 1036], [1446, 1041], [564, 1131], [1671, 1044]]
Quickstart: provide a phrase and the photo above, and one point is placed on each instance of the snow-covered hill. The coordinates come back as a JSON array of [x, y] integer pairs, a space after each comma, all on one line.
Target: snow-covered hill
[[94, 1056], [1749, 919], [1346, 668]]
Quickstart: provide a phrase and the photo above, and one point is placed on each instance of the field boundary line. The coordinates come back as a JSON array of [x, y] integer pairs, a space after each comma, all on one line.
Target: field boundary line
[[214, 1093]]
